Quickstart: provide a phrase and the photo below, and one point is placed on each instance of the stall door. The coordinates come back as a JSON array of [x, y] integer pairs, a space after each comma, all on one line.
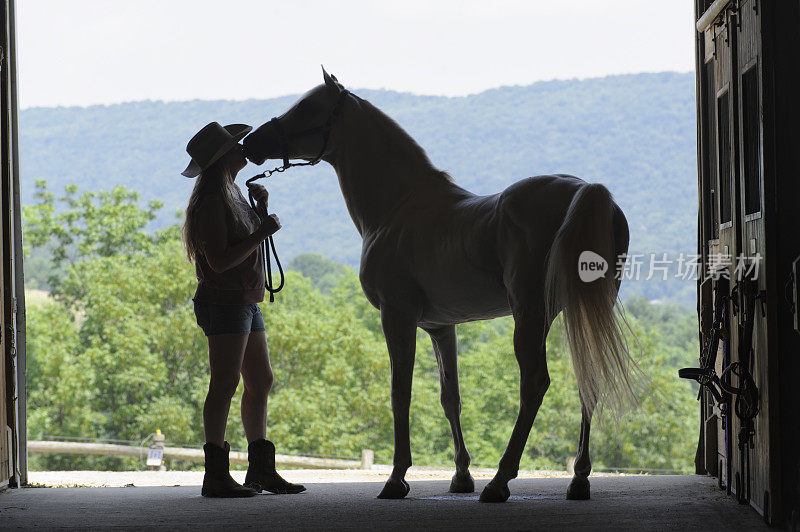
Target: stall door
[[710, 455], [720, 216], [753, 469]]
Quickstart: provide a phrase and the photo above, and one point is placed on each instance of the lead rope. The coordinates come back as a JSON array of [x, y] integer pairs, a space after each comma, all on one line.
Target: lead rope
[[265, 252], [325, 130]]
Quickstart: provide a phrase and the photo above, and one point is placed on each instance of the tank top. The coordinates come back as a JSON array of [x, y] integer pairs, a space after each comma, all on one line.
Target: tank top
[[241, 285]]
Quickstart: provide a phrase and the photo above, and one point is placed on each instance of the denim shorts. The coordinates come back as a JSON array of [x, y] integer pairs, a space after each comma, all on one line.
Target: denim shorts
[[228, 319]]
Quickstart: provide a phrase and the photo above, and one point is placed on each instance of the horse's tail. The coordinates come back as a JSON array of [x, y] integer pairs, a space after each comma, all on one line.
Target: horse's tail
[[593, 322]]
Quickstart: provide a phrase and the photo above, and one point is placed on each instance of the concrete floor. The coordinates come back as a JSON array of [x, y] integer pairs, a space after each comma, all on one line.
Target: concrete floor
[[378, 473], [630, 503]]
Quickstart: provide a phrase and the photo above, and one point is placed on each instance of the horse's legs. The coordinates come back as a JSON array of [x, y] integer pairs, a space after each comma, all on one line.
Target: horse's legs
[[529, 334], [400, 333], [579, 487], [445, 346]]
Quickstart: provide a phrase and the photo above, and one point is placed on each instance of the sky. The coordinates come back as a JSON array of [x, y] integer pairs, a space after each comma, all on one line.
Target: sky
[[87, 52]]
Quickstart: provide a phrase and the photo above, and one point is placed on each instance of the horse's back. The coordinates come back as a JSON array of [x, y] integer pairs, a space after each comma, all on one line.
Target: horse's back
[[538, 202], [456, 252]]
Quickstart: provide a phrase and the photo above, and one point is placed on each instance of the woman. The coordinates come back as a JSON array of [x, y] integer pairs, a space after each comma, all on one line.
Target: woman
[[222, 235]]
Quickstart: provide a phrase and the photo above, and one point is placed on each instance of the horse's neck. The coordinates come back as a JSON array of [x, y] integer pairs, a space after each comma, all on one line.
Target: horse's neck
[[377, 171]]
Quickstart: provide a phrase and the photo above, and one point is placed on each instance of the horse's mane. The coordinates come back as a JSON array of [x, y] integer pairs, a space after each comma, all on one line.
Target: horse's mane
[[401, 141]]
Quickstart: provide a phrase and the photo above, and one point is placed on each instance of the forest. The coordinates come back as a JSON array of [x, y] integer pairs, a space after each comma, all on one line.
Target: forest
[[114, 353], [635, 133]]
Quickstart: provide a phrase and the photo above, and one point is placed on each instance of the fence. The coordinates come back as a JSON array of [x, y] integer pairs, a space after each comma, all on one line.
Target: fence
[[236, 457], [193, 455]]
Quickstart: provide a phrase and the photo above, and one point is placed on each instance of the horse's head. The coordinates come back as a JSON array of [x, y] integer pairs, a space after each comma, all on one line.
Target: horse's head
[[302, 132]]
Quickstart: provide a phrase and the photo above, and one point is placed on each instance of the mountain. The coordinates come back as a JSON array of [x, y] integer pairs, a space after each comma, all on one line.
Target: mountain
[[634, 133]]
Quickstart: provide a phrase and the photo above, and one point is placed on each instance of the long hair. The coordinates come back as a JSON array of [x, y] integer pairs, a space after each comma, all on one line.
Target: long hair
[[594, 323], [216, 179]]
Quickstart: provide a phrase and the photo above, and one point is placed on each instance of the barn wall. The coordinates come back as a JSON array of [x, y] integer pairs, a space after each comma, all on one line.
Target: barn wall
[[748, 190], [782, 46]]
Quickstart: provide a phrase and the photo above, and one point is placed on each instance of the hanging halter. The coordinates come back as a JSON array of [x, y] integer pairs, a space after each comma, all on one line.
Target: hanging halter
[[283, 140]]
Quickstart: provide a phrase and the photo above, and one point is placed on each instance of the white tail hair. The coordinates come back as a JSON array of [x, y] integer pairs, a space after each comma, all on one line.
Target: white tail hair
[[594, 324]]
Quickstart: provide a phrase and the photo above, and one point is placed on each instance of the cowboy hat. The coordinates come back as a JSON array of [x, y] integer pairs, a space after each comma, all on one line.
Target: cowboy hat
[[211, 143]]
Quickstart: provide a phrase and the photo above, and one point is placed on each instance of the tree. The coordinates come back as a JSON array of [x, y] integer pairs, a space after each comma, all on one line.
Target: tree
[[117, 354], [324, 273], [93, 224]]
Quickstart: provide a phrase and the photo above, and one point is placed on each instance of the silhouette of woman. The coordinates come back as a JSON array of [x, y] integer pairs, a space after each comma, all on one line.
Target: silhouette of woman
[[222, 235]]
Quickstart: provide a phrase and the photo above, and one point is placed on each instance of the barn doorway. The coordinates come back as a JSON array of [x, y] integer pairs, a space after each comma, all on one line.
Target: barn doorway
[[733, 62]]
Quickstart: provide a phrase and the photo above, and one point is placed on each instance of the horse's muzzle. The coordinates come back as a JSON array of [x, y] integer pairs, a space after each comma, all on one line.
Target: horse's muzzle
[[261, 144]]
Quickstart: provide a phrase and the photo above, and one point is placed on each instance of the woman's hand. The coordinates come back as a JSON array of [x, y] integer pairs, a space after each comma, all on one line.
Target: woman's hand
[[261, 196], [269, 226]]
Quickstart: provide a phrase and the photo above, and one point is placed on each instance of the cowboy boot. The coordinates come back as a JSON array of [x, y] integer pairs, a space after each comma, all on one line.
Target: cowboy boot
[[217, 482], [261, 473]]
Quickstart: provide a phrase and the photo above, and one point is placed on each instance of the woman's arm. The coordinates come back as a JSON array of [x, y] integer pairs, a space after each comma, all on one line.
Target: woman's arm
[[212, 230]]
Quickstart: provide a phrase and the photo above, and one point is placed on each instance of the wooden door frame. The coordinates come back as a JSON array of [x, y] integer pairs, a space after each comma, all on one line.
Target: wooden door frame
[[13, 398]]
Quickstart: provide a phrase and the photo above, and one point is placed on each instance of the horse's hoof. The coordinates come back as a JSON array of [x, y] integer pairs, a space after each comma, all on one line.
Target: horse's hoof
[[494, 493], [462, 483], [578, 489], [394, 489]]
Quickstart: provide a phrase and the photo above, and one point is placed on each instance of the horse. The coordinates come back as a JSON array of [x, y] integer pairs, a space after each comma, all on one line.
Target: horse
[[435, 255]]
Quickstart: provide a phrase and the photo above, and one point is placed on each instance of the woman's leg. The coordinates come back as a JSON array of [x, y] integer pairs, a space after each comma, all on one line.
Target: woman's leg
[[225, 354], [257, 376]]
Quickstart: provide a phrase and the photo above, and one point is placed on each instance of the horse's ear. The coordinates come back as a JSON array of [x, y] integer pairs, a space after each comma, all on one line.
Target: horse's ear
[[334, 87]]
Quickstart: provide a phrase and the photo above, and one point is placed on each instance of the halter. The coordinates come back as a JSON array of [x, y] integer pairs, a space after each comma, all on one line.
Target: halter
[[283, 140]]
